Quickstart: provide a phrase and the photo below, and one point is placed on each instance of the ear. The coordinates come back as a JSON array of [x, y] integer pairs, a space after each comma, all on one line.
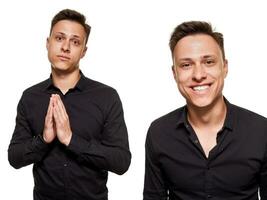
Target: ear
[[84, 52], [47, 43], [225, 68]]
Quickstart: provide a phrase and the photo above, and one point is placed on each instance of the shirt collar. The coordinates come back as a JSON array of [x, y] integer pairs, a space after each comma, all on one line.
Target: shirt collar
[[228, 122], [182, 119], [81, 84], [229, 119]]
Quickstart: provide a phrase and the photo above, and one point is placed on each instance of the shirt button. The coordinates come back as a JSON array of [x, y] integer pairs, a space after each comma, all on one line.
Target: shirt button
[[209, 196], [196, 141], [65, 165]]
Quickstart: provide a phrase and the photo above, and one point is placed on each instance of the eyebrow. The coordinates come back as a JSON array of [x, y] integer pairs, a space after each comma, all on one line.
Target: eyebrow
[[75, 36], [184, 59], [209, 56], [189, 59]]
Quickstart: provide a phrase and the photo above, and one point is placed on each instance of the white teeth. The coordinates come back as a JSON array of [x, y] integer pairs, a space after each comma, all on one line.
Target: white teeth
[[200, 88]]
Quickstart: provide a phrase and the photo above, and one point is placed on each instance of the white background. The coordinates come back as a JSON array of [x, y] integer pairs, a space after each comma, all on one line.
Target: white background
[[128, 50]]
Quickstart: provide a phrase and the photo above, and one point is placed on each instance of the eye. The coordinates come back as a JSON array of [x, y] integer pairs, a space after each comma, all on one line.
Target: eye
[[76, 42], [59, 38], [185, 65], [209, 62]]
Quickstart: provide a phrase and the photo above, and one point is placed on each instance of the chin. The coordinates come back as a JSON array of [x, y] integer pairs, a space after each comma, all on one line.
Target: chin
[[200, 102], [61, 68]]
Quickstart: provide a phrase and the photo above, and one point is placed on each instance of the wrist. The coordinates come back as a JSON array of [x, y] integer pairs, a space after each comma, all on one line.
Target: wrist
[[42, 139]]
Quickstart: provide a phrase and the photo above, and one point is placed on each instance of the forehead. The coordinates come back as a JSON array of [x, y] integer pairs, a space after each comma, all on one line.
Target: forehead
[[197, 45], [69, 27]]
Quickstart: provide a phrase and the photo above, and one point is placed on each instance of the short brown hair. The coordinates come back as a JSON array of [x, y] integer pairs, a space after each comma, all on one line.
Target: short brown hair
[[192, 28], [71, 15]]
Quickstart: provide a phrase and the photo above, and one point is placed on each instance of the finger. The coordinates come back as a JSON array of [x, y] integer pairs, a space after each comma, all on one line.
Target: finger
[[49, 113], [54, 97], [58, 108], [60, 118], [61, 107], [55, 114]]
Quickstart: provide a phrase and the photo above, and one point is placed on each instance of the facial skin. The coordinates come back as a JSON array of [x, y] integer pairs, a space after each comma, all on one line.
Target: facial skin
[[199, 70], [66, 46]]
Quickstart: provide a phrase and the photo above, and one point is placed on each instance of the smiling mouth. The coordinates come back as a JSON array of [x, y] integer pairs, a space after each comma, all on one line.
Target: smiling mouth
[[200, 88]]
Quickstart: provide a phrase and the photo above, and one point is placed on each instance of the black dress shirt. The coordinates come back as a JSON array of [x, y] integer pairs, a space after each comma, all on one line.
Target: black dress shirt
[[99, 141], [177, 168]]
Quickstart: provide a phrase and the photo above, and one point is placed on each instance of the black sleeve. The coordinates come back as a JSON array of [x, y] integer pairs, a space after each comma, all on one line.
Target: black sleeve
[[154, 186], [112, 152], [263, 177], [25, 148]]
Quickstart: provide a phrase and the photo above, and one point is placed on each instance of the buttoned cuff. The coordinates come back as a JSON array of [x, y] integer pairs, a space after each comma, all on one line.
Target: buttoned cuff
[[78, 145], [39, 144]]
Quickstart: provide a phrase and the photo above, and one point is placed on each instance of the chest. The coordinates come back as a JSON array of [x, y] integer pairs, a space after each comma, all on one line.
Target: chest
[[207, 140], [86, 118], [232, 163]]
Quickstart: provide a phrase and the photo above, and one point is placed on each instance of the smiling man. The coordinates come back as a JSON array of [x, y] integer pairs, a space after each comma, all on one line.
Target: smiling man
[[210, 148], [70, 127]]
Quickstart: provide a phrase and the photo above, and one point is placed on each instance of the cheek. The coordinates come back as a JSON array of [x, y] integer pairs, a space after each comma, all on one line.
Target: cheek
[[77, 54], [218, 76], [50, 53], [216, 72], [183, 77], [221, 78], [52, 49]]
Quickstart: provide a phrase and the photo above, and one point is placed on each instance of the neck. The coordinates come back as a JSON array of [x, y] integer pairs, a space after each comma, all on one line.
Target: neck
[[65, 81], [208, 117]]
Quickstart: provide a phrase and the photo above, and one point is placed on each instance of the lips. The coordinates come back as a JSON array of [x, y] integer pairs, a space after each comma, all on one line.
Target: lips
[[200, 88], [63, 57]]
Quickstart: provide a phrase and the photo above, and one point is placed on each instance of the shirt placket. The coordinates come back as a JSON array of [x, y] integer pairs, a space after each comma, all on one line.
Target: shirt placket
[[208, 178]]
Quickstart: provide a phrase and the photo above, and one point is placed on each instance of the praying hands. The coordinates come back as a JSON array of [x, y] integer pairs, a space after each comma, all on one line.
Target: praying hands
[[57, 122]]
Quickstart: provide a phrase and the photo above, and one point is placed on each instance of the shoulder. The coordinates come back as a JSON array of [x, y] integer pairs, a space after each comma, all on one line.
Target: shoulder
[[37, 89], [162, 130], [103, 96], [243, 114], [100, 89], [247, 121], [167, 121]]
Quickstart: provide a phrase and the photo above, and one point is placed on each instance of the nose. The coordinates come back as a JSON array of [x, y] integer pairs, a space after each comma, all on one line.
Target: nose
[[199, 73], [65, 46]]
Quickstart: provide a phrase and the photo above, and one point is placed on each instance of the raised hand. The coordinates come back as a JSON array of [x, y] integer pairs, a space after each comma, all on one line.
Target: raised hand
[[49, 132], [61, 119]]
